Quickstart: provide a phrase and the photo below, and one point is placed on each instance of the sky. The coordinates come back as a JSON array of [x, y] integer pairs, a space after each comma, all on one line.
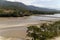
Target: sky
[[54, 4]]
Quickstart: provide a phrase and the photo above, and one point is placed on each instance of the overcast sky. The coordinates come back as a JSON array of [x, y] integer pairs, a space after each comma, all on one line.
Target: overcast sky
[[41, 3]]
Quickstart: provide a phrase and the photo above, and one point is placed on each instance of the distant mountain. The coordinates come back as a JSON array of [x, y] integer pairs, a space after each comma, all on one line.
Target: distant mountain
[[7, 4], [40, 8], [19, 5]]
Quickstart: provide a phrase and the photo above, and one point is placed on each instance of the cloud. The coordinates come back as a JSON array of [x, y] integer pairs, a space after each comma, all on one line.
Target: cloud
[[27, 2], [41, 3], [55, 7], [45, 0]]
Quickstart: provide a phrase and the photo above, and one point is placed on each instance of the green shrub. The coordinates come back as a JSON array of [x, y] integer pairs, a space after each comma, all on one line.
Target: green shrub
[[44, 31]]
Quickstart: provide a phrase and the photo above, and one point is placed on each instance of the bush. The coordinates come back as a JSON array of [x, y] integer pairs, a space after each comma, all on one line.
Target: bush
[[44, 31]]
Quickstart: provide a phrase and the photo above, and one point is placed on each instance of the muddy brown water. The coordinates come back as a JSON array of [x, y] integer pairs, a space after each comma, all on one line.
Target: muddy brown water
[[15, 27]]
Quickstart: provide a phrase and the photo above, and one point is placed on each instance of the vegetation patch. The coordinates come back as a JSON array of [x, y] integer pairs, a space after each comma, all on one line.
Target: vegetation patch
[[44, 31]]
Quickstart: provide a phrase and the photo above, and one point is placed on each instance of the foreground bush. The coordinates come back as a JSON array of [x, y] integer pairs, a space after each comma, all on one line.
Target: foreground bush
[[44, 31]]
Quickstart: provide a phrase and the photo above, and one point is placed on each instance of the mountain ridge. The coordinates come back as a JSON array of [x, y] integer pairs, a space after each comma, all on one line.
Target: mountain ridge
[[19, 5]]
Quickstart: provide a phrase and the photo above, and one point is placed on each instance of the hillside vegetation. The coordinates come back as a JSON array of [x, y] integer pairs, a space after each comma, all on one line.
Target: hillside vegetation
[[17, 9], [20, 12]]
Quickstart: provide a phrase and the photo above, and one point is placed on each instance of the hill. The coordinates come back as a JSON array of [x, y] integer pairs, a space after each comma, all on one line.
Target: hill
[[8, 8], [19, 5]]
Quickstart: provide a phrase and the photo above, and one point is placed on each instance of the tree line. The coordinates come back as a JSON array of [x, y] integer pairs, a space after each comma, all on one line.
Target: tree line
[[20, 12]]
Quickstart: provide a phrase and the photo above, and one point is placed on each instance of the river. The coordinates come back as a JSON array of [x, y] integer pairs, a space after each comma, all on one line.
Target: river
[[15, 27]]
